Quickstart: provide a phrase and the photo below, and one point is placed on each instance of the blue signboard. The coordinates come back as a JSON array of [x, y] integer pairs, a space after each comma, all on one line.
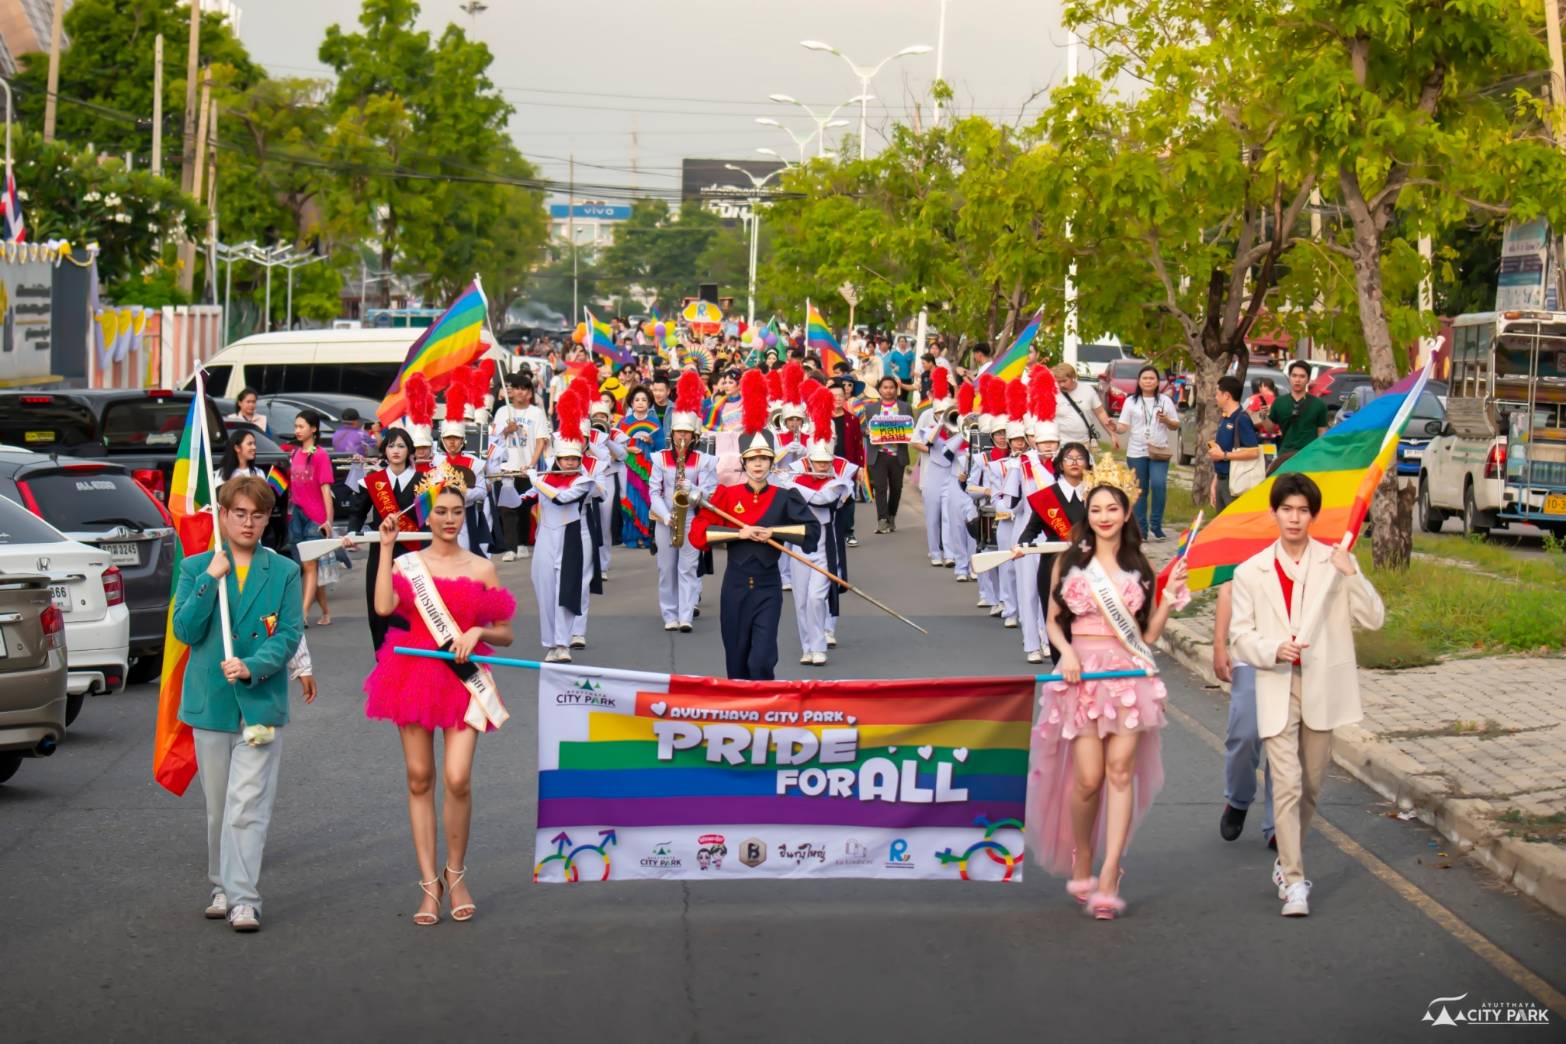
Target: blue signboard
[[595, 211]]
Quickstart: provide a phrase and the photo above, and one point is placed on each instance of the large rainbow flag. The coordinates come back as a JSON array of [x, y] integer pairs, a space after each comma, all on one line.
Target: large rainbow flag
[[818, 335], [601, 339], [1008, 365], [1347, 462], [190, 500], [450, 343]]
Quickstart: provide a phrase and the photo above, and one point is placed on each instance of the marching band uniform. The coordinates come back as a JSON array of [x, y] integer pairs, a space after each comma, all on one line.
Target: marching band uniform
[[815, 597], [930, 435], [679, 586], [611, 450], [562, 557], [980, 482], [381, 494], [959, 508], [1066, 505], [1025, 478]]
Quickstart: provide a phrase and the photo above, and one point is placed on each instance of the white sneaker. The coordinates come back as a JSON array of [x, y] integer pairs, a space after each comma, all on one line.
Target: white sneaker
[[671, 626], [1279, 881], [997, 610], [818, 658], [788, 587], [552, 655], [983, 604], [807, 659], [509, 556], [1298, 900], [523, 552], [831, 640], [562, 654], [684, 626], [1035, 657], [578, 641], [217, 906], [936, 562], [244, 918], [1010, 621]]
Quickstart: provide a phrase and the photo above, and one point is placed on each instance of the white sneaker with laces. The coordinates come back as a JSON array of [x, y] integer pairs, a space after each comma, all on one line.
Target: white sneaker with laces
[[523, 552], [244, 918], [831, 640], [818, 658], [552, 656], [996, 610], [936, 562], [578, 642], [806, 659], [1035, 657], [671, 625], [1278, 880], [217, 905], [562, 654], [1010, 621], [1298, 901], [509, 556]]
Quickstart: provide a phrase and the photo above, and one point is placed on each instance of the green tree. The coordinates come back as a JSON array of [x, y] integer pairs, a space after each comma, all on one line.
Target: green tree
[[659, 252]]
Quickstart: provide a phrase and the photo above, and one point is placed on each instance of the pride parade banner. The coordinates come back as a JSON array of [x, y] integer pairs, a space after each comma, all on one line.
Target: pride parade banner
[[668, 776], [890, 429]]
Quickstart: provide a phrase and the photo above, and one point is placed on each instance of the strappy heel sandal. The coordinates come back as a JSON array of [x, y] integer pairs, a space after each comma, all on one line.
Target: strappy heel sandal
[[424, 920], [1106, 907], [1079, 888], [466, 911]]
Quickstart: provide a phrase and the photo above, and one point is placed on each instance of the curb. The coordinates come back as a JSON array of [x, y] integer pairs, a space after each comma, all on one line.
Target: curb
[[1536, 869]]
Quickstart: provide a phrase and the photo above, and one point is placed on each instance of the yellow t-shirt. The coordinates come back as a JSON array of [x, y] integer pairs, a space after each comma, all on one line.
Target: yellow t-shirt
[[240, 572]]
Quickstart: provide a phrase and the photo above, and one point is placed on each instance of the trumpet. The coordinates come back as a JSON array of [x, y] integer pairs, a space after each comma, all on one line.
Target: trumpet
[[952, 421]]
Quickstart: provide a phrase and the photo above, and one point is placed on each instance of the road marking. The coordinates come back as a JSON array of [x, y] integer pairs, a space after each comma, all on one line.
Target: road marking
[[1449, 922]]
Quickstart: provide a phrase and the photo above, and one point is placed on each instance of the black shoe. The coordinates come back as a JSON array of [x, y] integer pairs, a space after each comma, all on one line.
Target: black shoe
[[1272, 842], [1232, 823]]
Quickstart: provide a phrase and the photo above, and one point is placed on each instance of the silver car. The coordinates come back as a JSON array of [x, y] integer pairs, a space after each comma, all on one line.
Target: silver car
[[32, 671]]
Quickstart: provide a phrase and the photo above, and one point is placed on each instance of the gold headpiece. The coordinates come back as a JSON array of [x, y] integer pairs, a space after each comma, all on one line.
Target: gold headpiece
[[1110, 472], [443, 477]]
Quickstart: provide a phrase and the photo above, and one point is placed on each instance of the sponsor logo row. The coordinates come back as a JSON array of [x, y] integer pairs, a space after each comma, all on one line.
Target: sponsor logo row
[[711, 850]]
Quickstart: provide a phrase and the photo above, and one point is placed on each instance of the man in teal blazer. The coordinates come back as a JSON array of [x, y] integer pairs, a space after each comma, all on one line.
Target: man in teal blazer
[[236, 705]]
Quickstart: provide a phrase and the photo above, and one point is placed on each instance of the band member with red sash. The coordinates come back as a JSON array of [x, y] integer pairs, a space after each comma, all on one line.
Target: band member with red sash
[[564, 568], [1057, 508], [1032, 472], [388, 492], [822, 481], [451, 599], [681, 467], [752, 599]]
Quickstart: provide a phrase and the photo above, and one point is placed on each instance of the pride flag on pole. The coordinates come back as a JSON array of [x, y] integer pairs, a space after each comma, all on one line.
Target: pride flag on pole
[[1008, 365], [601, 339], [1347, 462], [190, 500], [818, 335], [450, 343]]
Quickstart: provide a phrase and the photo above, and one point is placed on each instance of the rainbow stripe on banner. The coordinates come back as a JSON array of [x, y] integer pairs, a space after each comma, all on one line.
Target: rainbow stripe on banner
[[450, 343], [1347, 462], [1008, 365], [818, 335], [668, 776]]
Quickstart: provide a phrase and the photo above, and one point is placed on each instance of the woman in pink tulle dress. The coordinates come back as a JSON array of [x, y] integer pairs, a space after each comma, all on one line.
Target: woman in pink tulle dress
[[421, 695], [1095, 764]]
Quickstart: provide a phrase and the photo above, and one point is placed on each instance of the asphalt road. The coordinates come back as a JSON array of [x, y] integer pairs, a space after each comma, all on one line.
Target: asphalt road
[[102, 885]]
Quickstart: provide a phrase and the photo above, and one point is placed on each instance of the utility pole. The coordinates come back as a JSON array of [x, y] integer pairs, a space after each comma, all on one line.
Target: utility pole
[[187, 250], [940, 53], [51, 99], [1552, 28], [576, 306], [210, 147], [1069, 340], [188, 155], [157, 105]]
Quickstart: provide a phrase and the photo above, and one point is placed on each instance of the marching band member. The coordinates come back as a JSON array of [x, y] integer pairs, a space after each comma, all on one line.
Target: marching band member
[[1057, 507], [960, 509], [981, 480], [383, 494], [822, 485], [1033, 471], [792, 440], [680, 467], [611, 447], [933, 437], [562, 557], [1015, 433], [519, 438], [752, 600], [454, 440]]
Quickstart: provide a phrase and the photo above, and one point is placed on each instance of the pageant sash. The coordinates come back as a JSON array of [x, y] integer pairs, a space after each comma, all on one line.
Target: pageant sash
[[1045, 503], [383, 495], [1121, 619], [484, 706]]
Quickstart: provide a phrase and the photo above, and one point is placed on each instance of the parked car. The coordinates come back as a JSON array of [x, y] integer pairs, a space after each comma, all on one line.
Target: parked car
[[1253, 375], [1424, 423], [1093, 359], [99, 504], [88, 590], [281, 409], [32, 671], [1117, 381], [1334, 386]]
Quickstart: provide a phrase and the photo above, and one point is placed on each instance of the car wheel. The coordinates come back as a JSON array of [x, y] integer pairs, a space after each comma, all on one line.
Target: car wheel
[[73, 706], [9, 763], [1430, 519], [1471, 523], [145, 669]]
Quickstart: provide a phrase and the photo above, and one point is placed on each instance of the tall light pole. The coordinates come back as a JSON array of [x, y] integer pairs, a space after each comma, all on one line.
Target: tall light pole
[[866, 73], [1069, 340], [799, 142], [755, 231], [940, 53], [821, 122]]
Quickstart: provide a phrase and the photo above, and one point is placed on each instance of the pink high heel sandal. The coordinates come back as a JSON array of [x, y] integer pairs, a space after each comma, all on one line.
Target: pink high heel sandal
[[1079, 888], [1106, 907]]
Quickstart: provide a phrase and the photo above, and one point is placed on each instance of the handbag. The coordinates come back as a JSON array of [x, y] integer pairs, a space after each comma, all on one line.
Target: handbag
[[1246, 474], [1156, 452]]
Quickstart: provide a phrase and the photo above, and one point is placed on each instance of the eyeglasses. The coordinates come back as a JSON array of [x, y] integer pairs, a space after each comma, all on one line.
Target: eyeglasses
[[243, 517], [1073, 458]]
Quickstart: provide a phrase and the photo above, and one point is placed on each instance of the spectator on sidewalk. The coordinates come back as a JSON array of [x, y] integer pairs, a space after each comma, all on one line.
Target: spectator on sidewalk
[[350, 436], [1296, 605], [1242, 747], [1079, 412], [1146, 419], [1234, 441], [1299, 415]]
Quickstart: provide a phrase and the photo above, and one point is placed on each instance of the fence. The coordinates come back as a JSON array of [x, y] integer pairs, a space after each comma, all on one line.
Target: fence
[[173, 343]]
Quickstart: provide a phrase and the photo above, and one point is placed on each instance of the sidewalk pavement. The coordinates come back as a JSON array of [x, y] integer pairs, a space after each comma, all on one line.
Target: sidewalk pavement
[[1457, 744]]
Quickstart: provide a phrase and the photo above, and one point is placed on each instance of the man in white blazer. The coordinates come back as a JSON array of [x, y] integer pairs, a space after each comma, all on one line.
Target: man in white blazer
[[1295, 605]]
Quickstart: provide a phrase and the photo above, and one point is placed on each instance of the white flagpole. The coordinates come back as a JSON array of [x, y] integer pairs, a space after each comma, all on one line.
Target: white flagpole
[[217, 526]]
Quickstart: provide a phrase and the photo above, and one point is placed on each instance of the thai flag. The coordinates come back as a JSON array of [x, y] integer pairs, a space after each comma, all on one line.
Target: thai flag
[[15, 227]]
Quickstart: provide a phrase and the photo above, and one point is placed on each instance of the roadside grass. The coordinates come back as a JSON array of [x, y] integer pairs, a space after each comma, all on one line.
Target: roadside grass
[[1550, 568], [1436, 610], [1550, 828]]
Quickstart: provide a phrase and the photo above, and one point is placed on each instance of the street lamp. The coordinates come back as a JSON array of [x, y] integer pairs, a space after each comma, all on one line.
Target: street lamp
[[866, 73], [799, 142], [822, 122], [755, 231]]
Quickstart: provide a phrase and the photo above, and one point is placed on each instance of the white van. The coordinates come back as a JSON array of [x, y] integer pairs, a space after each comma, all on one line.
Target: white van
[[351, 362]]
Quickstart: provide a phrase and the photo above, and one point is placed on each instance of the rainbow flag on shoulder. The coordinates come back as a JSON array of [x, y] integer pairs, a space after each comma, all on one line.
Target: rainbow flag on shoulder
[[818, 335], [1347, 462], [450, 343], [1008, 365]]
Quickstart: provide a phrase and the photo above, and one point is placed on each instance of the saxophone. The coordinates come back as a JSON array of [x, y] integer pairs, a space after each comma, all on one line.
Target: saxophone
[[682, 504]]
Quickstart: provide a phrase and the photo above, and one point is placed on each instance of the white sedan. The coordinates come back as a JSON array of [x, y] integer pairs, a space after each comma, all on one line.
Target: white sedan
[[89, 592]]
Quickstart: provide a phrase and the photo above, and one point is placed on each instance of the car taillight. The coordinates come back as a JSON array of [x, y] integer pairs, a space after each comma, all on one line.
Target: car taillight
[[168, 519], [114, 586], [1495, 463], [53, 623], [37, 400], [151, 480], [160, 393], [29, 501]]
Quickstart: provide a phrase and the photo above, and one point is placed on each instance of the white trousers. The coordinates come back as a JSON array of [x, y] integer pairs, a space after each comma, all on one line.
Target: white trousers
[[240, 784], [932, 487], [679, 587], [605, 513], [556, 624], [959, 509], [810, 603], [1006, 575], [1030, 609]]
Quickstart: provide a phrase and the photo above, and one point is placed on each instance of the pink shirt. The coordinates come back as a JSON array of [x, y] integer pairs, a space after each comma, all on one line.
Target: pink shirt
[[306, 476]]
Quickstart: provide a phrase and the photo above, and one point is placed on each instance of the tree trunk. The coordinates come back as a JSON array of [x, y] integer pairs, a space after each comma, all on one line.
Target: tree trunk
[[1208, 370]]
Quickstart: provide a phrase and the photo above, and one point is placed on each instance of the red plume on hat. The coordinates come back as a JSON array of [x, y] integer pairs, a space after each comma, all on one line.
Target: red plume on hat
[[774, 385], [586, 386], [421, 400], [1041, 393], [753, 400], [456, 397], [485, 380], [571, 411], [808, 387], [818, 408], [793, 377], [1016, 400], [965, 399], [940, 384], [689, 392]]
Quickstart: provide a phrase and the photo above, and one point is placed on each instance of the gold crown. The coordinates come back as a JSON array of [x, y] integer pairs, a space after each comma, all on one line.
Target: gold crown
[[442, 477], [1110, 472]]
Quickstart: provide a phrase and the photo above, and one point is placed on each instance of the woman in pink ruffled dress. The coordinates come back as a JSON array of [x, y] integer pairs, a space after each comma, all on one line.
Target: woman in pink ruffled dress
[[421, 695], [1095, 764]]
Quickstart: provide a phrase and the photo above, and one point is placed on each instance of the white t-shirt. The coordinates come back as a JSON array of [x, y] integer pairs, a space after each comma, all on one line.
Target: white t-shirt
[[1072, 429], [1146, 429]]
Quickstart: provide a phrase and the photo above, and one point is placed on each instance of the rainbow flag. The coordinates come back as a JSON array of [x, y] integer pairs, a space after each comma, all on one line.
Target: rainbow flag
[[601, 339], [190, 500], [424, 503], [1008, 365], [818, 335], [1347, 463], [714, 412], [646, 775], [633, 427], [277, 478], [450, 343]]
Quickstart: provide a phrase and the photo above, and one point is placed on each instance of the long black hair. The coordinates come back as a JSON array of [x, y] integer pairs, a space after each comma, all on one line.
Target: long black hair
[[1129, 556], [230, 462]]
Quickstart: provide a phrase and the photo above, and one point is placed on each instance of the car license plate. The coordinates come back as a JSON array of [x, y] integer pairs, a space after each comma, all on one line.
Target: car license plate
[[62, 597], [123, 554], [1555, 504], [1413, 453]]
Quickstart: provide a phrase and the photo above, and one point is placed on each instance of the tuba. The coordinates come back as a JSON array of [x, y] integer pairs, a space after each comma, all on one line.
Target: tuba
[[682, 505]]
